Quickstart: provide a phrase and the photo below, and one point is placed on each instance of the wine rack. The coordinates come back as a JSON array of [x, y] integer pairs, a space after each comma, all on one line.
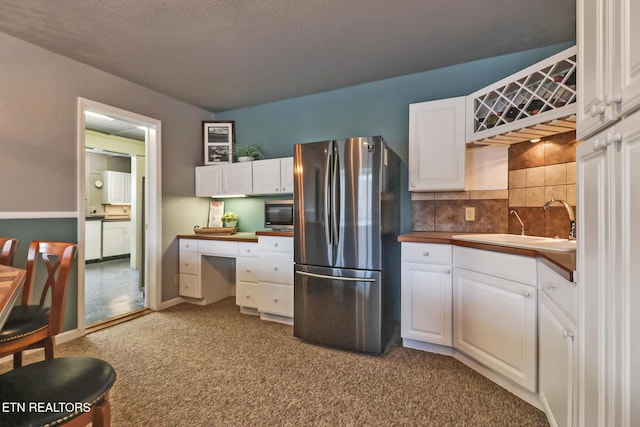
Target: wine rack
[[536, 102]]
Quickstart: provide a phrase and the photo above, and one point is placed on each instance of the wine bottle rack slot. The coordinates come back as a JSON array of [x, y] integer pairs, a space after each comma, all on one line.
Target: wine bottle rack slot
[[542, 93]]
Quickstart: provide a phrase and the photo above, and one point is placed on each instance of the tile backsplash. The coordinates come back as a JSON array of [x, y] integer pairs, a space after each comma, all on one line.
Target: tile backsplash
[[537, 172]]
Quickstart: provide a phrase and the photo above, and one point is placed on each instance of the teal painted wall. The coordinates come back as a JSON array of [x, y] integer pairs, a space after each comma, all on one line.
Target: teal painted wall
[[378, 108], [58, 230]]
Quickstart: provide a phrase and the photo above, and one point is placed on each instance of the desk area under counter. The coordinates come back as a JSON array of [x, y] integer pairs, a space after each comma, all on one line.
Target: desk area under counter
[[256, 268]]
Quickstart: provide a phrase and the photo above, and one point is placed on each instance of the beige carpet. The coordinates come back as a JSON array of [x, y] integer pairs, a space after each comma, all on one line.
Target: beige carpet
[[212, 366]]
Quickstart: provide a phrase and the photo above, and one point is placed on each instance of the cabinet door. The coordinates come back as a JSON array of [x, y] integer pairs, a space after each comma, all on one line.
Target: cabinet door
[[286, 175], [93, 240], [208, 181], [236, 179], [266, 176], [629, 293], [626, 77], [557, 364], [426, 303], [437, 145], [594, 56], [494, 322], [595, 276]]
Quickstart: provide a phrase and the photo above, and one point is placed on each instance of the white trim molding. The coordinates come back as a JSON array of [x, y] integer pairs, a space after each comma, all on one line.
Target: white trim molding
[[39, 215]]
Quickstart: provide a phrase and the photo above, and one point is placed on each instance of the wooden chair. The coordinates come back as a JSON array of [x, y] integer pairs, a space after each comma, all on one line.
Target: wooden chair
[[7, 250], [75, 388], [34, 326]]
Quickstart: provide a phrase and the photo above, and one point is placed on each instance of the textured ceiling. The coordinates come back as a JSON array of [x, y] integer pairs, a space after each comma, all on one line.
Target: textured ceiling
[[227, 54]]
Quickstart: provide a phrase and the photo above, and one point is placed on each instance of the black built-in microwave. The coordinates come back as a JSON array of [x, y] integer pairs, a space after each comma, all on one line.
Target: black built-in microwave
[[278, 215]]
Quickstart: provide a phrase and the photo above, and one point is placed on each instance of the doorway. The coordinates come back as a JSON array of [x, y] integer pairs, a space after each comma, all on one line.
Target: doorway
[[119, 213]]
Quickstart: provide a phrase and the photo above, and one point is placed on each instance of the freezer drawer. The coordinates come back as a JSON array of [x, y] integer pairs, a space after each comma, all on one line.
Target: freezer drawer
[[338, 307]]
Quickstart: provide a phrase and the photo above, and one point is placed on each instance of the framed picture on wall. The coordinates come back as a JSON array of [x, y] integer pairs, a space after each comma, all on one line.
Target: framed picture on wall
[[219, 138]]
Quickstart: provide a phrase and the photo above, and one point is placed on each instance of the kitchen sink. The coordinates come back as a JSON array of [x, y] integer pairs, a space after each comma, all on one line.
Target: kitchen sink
[[518, 241]]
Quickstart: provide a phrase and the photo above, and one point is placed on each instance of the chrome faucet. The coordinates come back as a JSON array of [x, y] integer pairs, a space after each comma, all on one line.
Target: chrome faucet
[[513, 212], [572, 218]]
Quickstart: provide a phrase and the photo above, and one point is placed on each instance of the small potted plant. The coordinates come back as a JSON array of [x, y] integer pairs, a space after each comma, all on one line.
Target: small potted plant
[[247, 153], [230, 219]]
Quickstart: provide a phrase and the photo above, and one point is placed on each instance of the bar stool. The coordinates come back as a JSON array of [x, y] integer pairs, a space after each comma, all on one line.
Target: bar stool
[[67, 391], [34, 326]]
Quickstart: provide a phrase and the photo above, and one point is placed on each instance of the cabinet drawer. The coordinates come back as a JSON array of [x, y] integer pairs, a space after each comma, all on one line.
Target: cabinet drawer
[[559, 290], [188, 245], [219, 248], [189, 286], [247, 249], [247, 294], [276, 299], [428, 253], [247, 269], [275, 244], [189, 262], [519, 268], [276, 268]]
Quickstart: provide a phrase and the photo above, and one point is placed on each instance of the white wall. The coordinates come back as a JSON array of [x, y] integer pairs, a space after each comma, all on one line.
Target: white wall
[[38, 141]]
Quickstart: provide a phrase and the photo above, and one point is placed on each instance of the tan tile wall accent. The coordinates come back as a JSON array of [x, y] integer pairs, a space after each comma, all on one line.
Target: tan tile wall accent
[[537, 173]]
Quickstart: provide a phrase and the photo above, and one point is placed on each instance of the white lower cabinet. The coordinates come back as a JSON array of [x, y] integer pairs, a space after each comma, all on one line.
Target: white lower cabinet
[[116, 238], [189, 269], [494, 316], [558, 364], [247, 276], [275, 278], [426, 295]]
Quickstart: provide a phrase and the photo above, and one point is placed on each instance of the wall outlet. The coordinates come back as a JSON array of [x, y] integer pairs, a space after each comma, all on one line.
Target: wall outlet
[[469, 213], [176, 280]]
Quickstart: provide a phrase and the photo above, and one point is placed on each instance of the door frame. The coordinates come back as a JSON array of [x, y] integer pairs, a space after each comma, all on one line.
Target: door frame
[[153, 202]]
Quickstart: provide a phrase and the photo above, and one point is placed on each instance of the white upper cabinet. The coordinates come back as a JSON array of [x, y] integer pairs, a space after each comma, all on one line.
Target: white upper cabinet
[[273, 176], [237, 179], [230, 179], [208, 180], [609, 62], [437, 145], [117, 187]]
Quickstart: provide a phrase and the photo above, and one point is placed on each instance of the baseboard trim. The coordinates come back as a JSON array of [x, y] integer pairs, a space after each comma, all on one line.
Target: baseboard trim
[[170, 303]]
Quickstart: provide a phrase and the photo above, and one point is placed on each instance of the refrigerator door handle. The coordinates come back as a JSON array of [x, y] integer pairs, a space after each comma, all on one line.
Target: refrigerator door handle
[[327, 196], [335, 202], [347, 279]]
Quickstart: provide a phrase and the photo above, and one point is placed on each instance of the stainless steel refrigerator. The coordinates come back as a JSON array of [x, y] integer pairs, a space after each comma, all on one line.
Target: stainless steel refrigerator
[[347, 258]]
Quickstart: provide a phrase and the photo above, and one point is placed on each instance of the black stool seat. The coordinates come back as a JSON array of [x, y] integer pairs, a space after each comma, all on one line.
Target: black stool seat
[[53, 391]]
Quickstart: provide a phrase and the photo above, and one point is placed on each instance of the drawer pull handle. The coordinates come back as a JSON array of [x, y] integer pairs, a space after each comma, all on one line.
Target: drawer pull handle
[[567, 335], [597, 110], [248, 296], [275, 300], [425, 253], [248, 271], [614, 99], [447, 270], [275, 244], [551, 285], [526, 294], [275, 268]]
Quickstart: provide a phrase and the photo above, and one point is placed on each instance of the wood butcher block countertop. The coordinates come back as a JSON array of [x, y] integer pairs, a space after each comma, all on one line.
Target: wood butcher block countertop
[[563, 263], [236, 237]]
